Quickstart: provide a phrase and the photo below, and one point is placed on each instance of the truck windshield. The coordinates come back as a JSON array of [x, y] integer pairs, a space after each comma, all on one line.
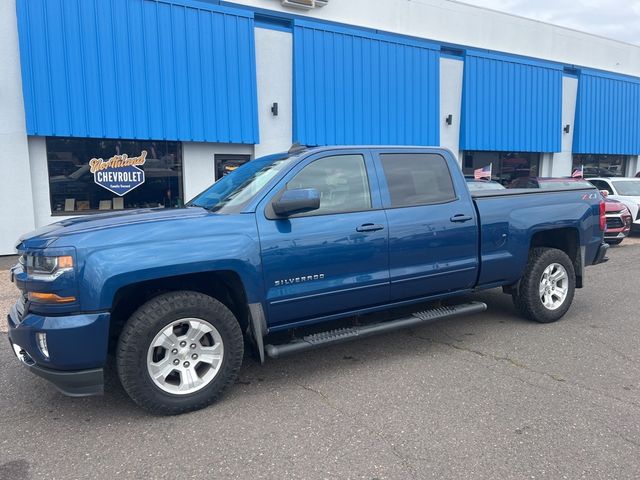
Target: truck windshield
[[233, 191], [628, 187]]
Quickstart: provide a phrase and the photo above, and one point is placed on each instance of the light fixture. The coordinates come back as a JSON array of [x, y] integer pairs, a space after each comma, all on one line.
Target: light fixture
[[449, 119], [42, 343]]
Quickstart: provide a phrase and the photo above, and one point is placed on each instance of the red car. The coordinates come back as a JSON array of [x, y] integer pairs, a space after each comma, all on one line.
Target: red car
[[618, 222]]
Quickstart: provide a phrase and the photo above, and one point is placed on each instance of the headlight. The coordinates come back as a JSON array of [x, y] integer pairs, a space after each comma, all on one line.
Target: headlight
[[48, 268]]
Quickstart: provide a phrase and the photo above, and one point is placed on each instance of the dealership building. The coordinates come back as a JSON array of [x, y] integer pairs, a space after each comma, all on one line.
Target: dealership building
[[119, 104]]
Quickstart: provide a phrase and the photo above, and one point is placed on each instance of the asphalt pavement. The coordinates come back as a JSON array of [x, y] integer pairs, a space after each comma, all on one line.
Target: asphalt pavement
[[488, 396]]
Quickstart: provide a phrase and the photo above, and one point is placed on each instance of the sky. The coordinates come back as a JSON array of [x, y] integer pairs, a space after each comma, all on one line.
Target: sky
[[618, 19]]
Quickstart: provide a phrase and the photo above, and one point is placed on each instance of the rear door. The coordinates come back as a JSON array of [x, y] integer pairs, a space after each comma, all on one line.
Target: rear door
[[331, 260], [433, 230]]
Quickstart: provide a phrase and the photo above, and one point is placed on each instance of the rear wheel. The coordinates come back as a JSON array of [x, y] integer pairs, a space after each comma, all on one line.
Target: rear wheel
[[547, 287], [179, 352]]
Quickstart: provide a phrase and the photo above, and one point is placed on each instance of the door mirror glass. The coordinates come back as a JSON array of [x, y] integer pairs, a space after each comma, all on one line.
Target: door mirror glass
[[298, 200]]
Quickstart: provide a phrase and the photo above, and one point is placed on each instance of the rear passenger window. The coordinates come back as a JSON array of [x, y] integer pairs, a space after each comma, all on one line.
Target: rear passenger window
[[417, 179]]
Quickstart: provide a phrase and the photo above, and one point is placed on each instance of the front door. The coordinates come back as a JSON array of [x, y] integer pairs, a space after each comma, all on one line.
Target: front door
[[433, 232], [331, 260]]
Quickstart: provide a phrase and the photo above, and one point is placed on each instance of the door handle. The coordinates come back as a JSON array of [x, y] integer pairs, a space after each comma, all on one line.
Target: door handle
[[369, 227], [461, 218]]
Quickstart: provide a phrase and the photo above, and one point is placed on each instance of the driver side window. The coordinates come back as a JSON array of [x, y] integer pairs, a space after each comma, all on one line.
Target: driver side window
[[341, 181]]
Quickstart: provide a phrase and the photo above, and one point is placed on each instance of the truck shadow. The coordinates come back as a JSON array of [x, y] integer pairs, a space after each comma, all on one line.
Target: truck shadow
[[259, 381], [374, 351]]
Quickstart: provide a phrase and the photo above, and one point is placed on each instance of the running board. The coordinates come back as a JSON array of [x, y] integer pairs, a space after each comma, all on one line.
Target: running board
[[346, 334]]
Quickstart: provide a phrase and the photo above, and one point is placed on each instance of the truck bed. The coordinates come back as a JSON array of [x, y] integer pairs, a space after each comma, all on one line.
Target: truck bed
[[510, 219]]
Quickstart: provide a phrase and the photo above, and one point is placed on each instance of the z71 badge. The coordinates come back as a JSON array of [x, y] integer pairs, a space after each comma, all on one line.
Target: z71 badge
[[291, 281]]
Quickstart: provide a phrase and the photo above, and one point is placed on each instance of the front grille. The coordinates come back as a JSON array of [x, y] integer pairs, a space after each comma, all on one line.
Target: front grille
[[615, 222]]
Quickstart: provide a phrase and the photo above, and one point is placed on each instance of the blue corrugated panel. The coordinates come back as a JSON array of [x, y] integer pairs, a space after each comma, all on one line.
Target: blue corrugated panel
[[607, 114], [177, 70], [511, 104], [357, 87]]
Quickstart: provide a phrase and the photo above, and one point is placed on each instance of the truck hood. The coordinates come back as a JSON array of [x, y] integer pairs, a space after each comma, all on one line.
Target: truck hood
[[46, 235]]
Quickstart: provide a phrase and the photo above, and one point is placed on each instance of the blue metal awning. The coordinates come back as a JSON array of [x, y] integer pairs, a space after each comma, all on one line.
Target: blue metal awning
[[147, 69], [353, 86], [607, 114], [511, 104]]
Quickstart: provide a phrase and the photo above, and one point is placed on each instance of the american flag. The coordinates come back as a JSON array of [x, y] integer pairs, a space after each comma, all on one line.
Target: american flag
[[484, 172], [578, 172]]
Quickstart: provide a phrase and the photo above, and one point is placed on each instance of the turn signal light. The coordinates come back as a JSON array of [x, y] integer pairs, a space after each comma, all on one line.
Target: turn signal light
[[65, 262], [49, 298]]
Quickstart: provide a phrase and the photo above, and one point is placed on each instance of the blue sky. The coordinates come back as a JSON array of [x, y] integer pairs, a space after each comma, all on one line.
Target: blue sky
[[618, 19]]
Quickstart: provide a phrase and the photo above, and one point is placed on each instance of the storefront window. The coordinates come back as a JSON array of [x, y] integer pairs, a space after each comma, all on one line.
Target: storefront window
[[91, 175], [601, 165], [225, 164], [506, 166]]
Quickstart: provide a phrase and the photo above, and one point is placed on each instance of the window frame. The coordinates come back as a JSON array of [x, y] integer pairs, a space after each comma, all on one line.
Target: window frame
[[609, 184], [534, 158], [279, 189], [387, 201], [96, 211], [588, 160]]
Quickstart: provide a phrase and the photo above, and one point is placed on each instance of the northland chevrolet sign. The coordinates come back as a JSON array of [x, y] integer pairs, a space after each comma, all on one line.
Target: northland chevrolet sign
[[119, 174]]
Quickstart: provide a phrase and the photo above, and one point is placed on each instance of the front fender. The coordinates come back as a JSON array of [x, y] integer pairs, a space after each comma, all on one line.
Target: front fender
[[108, 269]]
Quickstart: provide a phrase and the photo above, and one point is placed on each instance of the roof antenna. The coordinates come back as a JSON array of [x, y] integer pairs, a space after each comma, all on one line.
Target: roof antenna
[[296, 148]]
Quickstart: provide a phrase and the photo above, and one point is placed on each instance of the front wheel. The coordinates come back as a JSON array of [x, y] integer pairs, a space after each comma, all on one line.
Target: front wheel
[[547, 287], [179, 352]]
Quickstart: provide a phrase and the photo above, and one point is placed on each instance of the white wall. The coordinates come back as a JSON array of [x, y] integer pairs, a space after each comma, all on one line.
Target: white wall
[[274, 71], [633, 166], [198, 164], [459, 23], [16, 205], [563, 160], [451, 73], [40, 182]]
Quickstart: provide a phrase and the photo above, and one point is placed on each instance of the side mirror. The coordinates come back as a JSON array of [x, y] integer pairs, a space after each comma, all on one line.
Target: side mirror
[[604, 193], [299, 200]]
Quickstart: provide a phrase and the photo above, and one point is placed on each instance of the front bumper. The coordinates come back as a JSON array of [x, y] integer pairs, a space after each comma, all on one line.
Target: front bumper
[[616, 235], [81, 383], [77, 348]]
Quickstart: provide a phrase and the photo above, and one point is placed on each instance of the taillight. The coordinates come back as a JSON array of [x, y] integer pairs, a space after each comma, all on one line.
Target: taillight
[[603, 216]]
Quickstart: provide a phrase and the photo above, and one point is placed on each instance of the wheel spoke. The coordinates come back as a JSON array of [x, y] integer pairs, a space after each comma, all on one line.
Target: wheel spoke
[[162, 369], [189, 378], [196, 331], [167, 339]]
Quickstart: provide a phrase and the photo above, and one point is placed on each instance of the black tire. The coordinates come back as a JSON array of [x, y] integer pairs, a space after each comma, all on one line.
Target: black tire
[[142, 327], [615, 242], [527, 299]]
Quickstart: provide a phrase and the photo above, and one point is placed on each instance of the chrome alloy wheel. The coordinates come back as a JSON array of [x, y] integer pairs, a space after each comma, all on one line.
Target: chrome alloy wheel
[[554, 286], [185, 356]]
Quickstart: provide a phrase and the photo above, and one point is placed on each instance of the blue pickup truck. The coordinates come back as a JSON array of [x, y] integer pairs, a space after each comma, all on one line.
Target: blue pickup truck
[[304, 242]]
